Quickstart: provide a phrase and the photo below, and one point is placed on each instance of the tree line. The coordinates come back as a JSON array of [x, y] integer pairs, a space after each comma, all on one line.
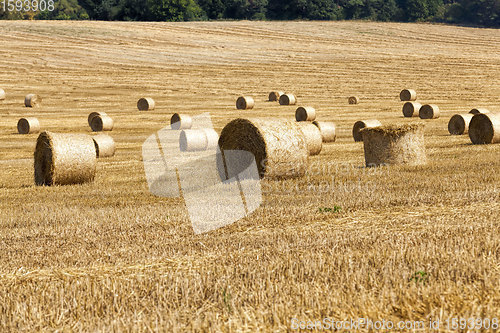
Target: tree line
[[476, 12]]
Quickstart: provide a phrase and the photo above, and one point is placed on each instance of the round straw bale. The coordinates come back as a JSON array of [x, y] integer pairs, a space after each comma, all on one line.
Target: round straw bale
[[279, 147], [93, 114], [397, 144], [245, 102], [104, 145], [102, 123], [479, 110], [2, 94], [459, 124], [62, 159], [305, 113], [32, 100], [312, 134], [411, 109], [288, 99], [193, 140], [359, 125], [180, 121], [429, 111], [212, 138], [353, 100], [274, 96], [484, 128], [145, 104], [28, 125], [327, 130], [408, 95]]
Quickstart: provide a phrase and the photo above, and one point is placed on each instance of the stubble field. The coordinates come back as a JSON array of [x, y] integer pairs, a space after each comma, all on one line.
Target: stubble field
[[409, 243]]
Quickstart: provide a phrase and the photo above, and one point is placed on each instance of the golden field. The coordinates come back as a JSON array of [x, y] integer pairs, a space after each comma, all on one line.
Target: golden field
[[109, 256]]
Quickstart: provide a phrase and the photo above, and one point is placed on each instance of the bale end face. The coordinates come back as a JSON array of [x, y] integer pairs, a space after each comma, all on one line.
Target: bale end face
[[429, 111], [244, 103], [288, 99], [353, 100], [94, 114], [484, 128], [407, 95], [145, 104], [307, 113]]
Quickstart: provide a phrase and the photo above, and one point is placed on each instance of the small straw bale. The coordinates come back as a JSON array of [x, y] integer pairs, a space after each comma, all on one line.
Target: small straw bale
[[312, 134], [359, 125], [479, 110], [212, 138], [245, 103], [145, 104], [104, 145], [2, 94], [407, 95], [180, 121], [274, 96], [429, 111], [484, 128], [396, 144], [279, 147], [305, 113], [32, 100], [63, 159], [28, 125], [353, 100], [411, 109], [102, 123], [198, 139], [459, 124], [93, 114], [327, 130], [288, 99]]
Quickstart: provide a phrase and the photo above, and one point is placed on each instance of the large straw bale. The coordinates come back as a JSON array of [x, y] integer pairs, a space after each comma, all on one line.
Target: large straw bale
[[327, 129], [484, 128], [459, 124]]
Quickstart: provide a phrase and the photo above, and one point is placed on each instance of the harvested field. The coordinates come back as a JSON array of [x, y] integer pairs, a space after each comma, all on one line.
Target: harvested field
[[345, 241]]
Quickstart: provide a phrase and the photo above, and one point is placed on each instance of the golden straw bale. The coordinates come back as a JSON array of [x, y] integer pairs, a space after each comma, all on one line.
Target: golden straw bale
[[180, 121], [104, 145], [407, 95], [28, 125], [102, 123], [145, 104], [359, 125], [327, 129], [459, 124], [353, 100], [484, 128], [288, 99], [429, 111], [245, 102], [93, 114], [305, 113], [274, 96], [411, 109], [313, 137], [32, 100]]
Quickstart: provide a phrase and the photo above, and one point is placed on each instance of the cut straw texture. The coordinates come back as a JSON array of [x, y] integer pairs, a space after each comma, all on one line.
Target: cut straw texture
[[2, 94], [63, 159], [102, 123], [479, 110], [288, 99], [93, 114], [28, 125], [245, 103], [180, 121], [353, 100], [279, 146], [274, 96], [359, 125], [327, 129], [198, 139], [411, 109], [407, 95], [104, 145], [484, 128], [32, 100], [459, 124], [429, 111], [305, 113], [145, 104], [396, 144], [312, 134]]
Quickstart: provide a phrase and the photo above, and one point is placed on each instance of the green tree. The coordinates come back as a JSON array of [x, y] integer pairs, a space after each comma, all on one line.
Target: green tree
[[174, 10], [64, 10]]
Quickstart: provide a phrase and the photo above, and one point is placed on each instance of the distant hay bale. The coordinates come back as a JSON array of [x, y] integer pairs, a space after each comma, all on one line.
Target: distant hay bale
[[145, 104], [28, 125], [407, 95], [245, 103], [32, 100], [411, 109], [212, 138], [93, 114], [102, 123], [397, 144], [274, 96], [353, 100], [327, 129], [479, 110], [104, 145], [305, 113], [198, 139], [62, 159], [180, 121], [312, 134], [359, 125], [279, 147], [459, 124], [484, 128], [429, 111], [288, 99], [2, 94]]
